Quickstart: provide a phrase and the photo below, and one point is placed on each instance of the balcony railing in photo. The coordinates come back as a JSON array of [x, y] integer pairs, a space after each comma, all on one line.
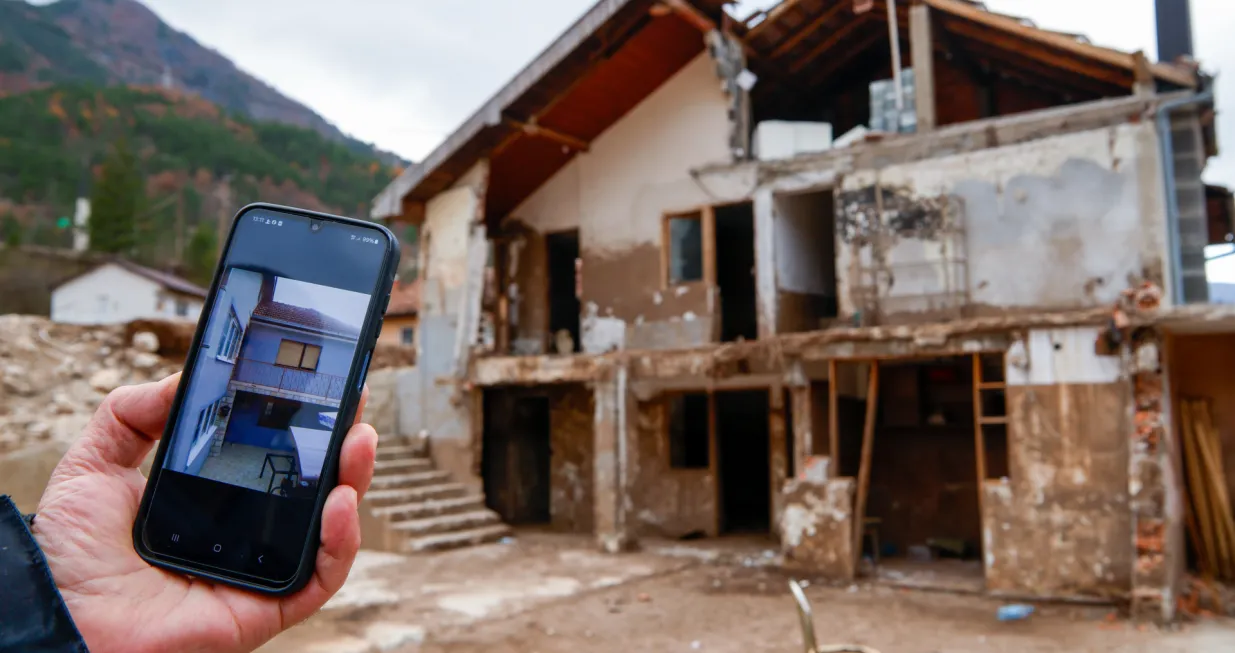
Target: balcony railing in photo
[[314, 384]]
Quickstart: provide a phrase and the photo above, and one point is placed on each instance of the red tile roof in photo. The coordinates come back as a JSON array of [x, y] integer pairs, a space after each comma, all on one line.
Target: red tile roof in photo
[[305, 318]]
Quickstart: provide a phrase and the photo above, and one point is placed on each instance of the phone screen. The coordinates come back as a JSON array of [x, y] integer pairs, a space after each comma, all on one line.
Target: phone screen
[[248, 448]]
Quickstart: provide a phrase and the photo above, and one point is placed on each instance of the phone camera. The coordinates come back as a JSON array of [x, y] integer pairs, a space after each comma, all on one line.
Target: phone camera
[[315, 226]]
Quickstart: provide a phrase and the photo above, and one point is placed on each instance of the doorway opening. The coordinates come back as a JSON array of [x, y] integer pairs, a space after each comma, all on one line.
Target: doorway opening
[[515, 459], [735, 271], [564, 306], [922, 525], [744, 461], [805, 237]]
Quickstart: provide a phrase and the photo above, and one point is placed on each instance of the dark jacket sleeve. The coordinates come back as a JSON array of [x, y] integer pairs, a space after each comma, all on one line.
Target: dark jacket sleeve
[[33, 617]]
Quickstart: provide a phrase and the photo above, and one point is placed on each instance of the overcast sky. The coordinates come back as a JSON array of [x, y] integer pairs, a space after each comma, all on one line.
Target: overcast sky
[[403, 74], [345, 306]]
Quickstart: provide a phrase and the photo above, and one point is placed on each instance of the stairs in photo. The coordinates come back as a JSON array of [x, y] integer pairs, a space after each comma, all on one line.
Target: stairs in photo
[[418, 508]]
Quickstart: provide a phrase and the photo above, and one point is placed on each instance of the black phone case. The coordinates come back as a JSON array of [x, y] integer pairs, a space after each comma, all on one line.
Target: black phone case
[[347, 414]]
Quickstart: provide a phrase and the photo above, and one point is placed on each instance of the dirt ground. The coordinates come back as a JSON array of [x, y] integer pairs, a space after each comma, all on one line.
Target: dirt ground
[[548, 593]]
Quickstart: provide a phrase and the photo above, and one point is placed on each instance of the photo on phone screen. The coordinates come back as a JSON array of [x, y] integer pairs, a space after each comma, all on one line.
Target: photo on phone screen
[[267, 396], [270, 374]]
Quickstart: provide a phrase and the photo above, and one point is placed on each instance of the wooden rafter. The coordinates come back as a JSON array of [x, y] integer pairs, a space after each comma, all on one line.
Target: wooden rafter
[[531, 128], [820, 20], [996, 23], [1049, 55], [854, 51], [828, 43], [1039, 75]]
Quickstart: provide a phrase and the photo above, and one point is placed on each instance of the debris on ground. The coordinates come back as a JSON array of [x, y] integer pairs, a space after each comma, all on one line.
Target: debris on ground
[[54, 376]]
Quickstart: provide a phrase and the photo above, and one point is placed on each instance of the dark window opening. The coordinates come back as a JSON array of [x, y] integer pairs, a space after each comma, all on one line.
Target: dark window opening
[[564, 306], [408, 336], [735, 249], [685, 247], [688, 432]]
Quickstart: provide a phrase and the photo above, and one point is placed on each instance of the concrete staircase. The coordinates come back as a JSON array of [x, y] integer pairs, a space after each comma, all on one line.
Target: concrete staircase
[[413, 507]]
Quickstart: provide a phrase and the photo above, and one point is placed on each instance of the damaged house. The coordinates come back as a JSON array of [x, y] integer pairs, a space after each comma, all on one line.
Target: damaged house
[[909, 278]]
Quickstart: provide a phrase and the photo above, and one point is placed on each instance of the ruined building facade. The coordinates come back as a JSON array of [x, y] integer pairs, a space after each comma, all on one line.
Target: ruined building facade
[[656, 302]]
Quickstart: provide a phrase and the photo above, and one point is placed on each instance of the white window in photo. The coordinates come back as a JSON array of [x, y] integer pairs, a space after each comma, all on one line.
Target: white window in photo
[[229, 340], [182, 308]]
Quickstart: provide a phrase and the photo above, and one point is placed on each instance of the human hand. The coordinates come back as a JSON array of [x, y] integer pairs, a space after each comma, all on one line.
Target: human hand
[[84, 525]]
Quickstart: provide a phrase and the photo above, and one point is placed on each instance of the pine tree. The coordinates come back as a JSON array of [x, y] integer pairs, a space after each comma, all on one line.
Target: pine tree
[[200, 253], [115, 202]]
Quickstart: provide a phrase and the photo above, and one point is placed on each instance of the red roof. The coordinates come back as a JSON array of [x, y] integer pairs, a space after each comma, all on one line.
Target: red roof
[[305, 318], [404, 299]]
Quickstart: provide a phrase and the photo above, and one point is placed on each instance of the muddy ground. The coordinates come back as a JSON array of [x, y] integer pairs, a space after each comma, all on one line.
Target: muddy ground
[[549, 593]]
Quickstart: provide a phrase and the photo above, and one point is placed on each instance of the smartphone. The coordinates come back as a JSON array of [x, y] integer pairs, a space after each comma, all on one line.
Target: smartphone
[[270, 388]]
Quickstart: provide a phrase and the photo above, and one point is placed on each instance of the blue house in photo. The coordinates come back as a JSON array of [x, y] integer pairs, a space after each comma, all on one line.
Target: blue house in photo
[[237, 297], [266, 390]]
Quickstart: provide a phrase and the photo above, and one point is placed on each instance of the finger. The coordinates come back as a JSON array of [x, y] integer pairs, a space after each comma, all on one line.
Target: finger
[[356, 460], [340, 543], [364, 401], [128, 423]]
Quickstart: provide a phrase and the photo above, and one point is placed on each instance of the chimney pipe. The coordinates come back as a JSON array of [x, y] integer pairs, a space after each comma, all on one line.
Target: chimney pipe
[[1174, 29]]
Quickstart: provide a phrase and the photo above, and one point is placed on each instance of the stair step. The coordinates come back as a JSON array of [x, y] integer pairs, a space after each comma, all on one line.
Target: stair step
[[404, 465], [462, 521], [415, 479], [430, 508], [404, 495], [457, 539], [397, 452]]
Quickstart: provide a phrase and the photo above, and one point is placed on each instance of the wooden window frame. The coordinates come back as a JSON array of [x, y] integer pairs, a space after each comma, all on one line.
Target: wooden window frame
[[707, 218], [304, 349]]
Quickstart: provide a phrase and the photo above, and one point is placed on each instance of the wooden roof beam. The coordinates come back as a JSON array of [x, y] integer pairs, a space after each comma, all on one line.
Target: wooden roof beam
[[851, 53], [1062, 61], [532, 128], [827, 44], [822, 19]]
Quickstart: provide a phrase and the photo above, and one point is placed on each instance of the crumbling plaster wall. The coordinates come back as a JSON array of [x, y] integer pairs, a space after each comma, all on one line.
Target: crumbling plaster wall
[[668, 502], [433, 400], [1061, 524], [816, 527], [571, 443], [1060, 222], [617, 193]]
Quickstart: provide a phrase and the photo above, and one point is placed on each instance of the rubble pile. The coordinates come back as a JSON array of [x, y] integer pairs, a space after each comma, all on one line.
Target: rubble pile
[[53, 376]]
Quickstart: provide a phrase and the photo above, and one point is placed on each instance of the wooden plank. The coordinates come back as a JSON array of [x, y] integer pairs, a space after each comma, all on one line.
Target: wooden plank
[[920, 45], [1072, 47], [978, 437], [994, 385], [822, 19], [1197, 488], [1054, 58], [1224, 527], [531, 128], [864, 469], [709, 246], [993, 421], [833, 416], [827, 44]]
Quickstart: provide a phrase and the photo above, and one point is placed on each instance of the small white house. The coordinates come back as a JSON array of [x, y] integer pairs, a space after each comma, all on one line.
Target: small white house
[[118, 291]]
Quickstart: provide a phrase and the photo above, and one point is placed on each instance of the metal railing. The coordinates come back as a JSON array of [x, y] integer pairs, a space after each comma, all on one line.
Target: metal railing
[[314, 384]]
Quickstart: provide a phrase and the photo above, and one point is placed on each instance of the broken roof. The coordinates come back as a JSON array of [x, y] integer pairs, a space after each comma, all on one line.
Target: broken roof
[[620, 51]]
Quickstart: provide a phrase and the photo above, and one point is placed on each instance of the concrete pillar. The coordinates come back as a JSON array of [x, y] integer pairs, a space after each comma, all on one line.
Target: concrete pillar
[[615, 432], [1154, 488], [922, 49]]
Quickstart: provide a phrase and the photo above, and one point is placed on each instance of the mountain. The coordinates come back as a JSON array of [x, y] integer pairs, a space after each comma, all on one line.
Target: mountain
[[124, 42], [197, 162]]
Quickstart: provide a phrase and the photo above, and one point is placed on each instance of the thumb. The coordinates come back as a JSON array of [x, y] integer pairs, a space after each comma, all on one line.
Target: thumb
[[127, 424]]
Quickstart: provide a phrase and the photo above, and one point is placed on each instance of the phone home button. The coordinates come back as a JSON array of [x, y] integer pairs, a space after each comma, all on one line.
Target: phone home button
[[218, 548]]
